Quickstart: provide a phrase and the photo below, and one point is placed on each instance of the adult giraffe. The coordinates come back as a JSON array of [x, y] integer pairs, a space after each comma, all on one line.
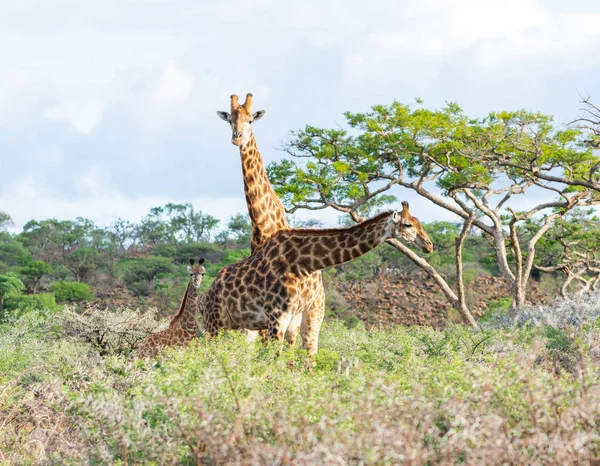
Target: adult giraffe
[[263, 290], [268, 218]]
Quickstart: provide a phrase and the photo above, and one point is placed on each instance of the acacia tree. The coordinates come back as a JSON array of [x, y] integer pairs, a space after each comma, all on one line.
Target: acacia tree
[[442, 156], [578, 167], [573, 248]]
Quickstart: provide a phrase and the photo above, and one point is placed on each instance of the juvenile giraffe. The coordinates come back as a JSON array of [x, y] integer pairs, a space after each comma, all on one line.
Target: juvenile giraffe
[[264, 291], [184, 324], [268, 218]]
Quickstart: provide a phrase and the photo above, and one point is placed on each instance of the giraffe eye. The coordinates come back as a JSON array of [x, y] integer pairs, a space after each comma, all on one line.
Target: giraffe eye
[[407, 225]]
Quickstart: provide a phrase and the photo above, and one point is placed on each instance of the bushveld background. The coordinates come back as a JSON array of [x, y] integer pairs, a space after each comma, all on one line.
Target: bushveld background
[[521, 389]]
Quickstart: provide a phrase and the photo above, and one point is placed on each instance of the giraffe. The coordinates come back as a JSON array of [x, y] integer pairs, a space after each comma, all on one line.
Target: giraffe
[[264, 291], [184, 324], [267, 216]]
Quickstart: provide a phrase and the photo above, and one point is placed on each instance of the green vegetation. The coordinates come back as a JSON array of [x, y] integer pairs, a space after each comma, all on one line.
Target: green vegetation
[[71, 292], [499, 395]]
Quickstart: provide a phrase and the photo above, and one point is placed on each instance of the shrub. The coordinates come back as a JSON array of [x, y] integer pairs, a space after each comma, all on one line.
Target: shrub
[[116, 331], [9, 284], [15, 305], [71, 292], [572, 311]]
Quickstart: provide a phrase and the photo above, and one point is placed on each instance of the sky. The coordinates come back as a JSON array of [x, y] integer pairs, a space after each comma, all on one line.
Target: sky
[[107, 108]]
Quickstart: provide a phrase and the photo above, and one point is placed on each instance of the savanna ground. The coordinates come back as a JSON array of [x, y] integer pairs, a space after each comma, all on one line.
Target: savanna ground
[[521, 390]]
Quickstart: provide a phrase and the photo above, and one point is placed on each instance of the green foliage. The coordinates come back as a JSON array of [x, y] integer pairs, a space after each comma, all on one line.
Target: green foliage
[[71, 292], [15, 305], [12, 252], [139, 273], [9, 284], [33, 271], [496, 307], [425, 387], [5, 221]]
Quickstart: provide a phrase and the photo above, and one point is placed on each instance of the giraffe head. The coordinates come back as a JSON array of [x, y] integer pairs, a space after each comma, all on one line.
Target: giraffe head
[[240, 119], [409, 228], [196, 271]]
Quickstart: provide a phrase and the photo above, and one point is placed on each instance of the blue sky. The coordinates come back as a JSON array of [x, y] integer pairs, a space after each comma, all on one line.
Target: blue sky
[[108, 108]]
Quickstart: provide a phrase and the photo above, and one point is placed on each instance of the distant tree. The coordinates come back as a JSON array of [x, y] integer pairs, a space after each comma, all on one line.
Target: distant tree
[[123, 234], [573, 248], [82, 262], [9, 283], [188, 224], [153, 229], [175, 222], [5, 221], [308, 223], [12, 252], [52, 240], [240, 228]]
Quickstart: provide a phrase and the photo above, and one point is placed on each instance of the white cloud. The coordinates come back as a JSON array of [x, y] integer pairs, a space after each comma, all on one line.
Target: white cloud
[[81, 116], [174, 86], [496, 33], [575, 38], [28, 199]]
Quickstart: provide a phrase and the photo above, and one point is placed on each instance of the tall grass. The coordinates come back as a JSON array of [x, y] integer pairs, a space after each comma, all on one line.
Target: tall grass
[[515, 394]]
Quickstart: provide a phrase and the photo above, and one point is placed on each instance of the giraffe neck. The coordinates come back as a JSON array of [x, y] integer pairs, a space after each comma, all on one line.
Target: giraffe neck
[[188, 312], [264, 207], [308, 251]]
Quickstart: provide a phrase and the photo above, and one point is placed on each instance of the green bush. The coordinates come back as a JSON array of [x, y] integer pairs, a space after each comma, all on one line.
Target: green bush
[[72, 292], [9, 284], [15, 305]]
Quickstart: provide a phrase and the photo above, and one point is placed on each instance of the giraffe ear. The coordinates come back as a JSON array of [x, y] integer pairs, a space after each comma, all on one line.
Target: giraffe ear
[[396, 217], [223, 116], [189, 267], [258, 115], [201, 261]]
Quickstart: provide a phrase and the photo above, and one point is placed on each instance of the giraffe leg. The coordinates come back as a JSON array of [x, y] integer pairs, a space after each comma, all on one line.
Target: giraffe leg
[[277, 326], [291, 333], [251, 335], [312, 318]]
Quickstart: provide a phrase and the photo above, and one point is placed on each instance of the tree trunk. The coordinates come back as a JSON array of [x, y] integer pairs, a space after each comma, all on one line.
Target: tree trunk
[[450, 295], [460, 286]]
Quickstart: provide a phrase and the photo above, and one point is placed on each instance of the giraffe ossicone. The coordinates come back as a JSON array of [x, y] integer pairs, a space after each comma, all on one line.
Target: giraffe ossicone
[[268, 218]]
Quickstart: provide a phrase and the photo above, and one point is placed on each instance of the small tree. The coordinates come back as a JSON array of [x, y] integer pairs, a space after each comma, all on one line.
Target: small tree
[[33, 271]]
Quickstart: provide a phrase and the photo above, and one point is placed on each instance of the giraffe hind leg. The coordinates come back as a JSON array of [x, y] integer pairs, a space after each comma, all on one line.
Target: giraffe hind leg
[[291, 334], [312, 318]]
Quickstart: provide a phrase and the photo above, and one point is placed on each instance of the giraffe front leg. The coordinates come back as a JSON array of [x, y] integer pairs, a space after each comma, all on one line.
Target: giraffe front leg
[[278, 325]]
